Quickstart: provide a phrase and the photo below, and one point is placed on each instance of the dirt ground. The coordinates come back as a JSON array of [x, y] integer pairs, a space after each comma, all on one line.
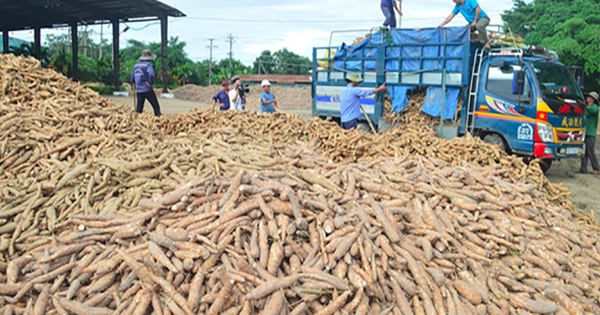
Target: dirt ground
[[585, 188], [176, 106]]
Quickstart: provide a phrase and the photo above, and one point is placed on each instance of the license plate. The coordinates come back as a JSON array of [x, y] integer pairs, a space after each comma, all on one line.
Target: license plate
[[572, 150]]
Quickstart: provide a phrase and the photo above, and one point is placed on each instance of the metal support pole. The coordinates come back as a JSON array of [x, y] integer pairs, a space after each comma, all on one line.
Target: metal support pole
[[115, 28], [443, 103], [37, 42], [74, 50], [164, 49], [5, 42]]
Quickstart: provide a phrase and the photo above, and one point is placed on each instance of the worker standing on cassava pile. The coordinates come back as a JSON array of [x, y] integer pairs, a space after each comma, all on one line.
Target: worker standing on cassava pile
[[350, 100], [143, 78], [387, 7], [268, 103], [591, 124], [222, 97], [472, 12]]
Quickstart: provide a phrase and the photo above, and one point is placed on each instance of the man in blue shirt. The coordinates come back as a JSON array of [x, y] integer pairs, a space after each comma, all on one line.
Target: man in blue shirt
[[222, 97], [477, 19], [350, 100], [268, 102], [387, 7], [142, 77]]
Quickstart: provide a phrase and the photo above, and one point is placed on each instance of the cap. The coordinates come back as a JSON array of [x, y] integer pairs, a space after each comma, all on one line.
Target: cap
[[224, 83], [265, 82], [595, 96]]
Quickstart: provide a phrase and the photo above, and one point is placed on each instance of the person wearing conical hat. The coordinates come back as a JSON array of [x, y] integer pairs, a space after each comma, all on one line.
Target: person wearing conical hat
[[591, 126], [350, 100], [143, 78]]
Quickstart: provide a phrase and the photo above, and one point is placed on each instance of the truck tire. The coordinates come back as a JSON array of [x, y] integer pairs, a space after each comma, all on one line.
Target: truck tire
[[545, 164], [495, 138]]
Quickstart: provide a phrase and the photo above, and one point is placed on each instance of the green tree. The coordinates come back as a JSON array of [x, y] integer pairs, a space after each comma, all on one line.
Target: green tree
[[265, 63], [27, 50], [569, 27], [291, 63], [282, 61]]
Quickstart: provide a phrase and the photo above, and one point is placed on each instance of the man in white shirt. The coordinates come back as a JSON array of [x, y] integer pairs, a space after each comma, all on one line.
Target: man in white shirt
[[234, 95]]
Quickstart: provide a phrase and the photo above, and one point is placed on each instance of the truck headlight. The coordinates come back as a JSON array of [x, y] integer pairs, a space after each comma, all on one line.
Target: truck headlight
[[545, 132]]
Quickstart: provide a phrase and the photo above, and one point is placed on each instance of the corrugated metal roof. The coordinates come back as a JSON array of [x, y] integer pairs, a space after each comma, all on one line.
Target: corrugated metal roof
[[276, 78], [25, 14]]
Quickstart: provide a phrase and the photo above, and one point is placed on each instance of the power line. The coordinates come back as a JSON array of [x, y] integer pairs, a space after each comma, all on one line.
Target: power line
[[299, 21]]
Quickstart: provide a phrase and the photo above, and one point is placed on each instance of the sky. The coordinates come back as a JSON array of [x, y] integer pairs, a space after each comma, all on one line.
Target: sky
[[275, 24]]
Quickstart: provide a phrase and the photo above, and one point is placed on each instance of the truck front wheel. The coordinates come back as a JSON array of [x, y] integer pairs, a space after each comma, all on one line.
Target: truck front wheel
[[545, 164], [495, 138]]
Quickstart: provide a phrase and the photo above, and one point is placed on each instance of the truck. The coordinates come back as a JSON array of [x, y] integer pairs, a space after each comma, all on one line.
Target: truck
[[521, 98]]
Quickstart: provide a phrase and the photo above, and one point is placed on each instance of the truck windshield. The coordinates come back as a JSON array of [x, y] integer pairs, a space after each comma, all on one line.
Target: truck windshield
[[556, 82]]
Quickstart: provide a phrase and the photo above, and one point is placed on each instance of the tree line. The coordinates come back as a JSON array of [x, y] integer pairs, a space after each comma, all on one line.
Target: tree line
[[569, 27], [96, 65]]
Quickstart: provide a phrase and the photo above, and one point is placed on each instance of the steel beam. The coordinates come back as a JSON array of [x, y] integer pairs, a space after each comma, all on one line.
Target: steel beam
[[74, 51], [5, 42], [37, 43], [164, 39], [116, 67]]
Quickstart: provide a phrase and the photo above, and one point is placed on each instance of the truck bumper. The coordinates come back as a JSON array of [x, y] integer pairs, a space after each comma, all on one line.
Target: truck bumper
[[557, 151]]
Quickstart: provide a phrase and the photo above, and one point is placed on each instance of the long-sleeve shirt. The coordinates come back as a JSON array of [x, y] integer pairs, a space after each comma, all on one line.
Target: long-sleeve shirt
[[143, 77], [591, 120], [350, 102]]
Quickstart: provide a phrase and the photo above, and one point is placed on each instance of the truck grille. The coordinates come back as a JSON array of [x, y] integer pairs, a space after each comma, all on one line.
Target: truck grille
[[569, 136]]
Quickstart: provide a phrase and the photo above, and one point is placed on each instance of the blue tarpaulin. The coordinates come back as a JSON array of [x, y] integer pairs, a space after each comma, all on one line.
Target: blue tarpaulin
[[398, 96], [433, 102], [421, 49], [410, 50]]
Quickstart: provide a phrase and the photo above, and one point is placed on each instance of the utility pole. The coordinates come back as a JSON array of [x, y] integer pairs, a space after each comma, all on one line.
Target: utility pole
[[211, 46], [400, 16], [230, 40]]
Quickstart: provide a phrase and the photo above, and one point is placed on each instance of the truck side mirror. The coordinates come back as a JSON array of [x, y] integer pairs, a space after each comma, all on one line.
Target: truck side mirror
[[518, 82]]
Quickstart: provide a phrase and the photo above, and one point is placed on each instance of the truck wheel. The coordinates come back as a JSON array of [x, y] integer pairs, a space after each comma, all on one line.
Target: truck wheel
[[495, 138], [545, 164]]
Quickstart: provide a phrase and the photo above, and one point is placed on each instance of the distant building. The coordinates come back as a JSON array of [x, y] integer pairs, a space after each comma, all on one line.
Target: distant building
[[278, 79], [13, 42]]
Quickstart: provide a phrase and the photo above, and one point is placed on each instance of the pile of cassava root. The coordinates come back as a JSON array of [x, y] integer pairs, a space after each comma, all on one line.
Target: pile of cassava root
[[106, 211]]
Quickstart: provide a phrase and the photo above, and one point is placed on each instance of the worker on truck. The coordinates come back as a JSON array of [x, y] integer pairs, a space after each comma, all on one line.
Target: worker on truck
[[591, 125], [387, 7], [476, 17], [350, 101]]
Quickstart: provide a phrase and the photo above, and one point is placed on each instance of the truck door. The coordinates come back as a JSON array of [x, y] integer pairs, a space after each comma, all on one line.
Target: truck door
[[499, 110]]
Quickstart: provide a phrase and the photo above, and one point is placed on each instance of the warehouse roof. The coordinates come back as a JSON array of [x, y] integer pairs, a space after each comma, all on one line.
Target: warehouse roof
[[286, 79], [26, 14]]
